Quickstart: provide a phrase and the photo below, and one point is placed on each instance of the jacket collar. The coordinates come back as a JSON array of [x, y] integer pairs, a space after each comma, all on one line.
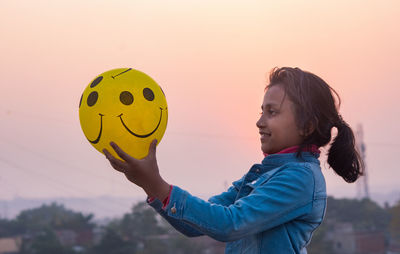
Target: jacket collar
[[279, 159]]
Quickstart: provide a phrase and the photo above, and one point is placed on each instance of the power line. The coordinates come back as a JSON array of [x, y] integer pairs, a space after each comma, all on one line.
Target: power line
[[68, 165], [58, 184], [362, 184], [17, 113], [48, 158]]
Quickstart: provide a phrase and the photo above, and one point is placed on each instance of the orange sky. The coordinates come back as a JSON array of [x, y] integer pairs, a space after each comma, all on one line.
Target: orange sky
[[211, 59]]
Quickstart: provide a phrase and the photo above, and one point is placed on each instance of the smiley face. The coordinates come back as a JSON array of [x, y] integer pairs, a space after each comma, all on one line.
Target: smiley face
[[125, 106]]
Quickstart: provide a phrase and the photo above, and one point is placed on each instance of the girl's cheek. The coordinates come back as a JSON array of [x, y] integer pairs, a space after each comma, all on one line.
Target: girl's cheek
[[271, 122]]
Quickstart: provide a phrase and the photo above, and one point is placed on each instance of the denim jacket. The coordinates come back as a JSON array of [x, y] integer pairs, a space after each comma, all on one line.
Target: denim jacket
[[274, 208]]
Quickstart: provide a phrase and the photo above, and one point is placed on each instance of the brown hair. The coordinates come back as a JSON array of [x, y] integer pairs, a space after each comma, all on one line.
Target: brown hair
[[316, 114]]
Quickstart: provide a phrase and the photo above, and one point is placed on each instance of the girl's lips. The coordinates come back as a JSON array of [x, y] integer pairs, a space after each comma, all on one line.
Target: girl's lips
[[264, 136]]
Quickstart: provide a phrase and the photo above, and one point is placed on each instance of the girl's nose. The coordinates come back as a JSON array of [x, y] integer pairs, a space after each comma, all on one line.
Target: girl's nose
[[260, 123]]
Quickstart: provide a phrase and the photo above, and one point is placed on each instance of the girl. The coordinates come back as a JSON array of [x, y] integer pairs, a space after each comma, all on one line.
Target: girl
[[276, 206]]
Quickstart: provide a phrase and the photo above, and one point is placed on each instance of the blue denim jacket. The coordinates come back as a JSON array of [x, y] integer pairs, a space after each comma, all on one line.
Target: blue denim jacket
[[274, 208]]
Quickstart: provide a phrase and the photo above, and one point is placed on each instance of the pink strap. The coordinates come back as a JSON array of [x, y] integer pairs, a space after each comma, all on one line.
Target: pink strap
[[292, 149], [165, 201]]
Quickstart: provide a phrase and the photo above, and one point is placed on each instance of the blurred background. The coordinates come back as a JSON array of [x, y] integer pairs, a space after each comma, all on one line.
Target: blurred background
[[212, 59]]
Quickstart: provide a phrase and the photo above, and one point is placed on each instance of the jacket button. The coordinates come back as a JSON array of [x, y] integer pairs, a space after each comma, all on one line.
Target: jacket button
[[257, 170], [173, 209]]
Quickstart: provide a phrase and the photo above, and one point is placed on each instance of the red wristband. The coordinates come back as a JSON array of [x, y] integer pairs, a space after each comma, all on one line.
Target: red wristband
[[166, 200]]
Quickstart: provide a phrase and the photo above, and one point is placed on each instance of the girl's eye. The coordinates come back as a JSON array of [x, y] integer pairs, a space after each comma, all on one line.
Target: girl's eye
[[270, 112]]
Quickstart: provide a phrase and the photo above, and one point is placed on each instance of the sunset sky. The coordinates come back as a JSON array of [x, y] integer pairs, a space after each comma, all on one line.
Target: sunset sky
[[212, 59]]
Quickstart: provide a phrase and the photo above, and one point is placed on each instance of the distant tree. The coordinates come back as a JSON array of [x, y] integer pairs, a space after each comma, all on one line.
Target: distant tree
[[113, 243], [179, 243], [44, 242], [364, 215], [145, 229], [10, 228], [54, 216], [140, 223], [394, 226], [182, 244]]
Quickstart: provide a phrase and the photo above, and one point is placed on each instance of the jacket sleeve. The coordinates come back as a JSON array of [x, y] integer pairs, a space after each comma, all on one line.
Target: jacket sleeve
[[179, 225], [226, 198], [284, 197]]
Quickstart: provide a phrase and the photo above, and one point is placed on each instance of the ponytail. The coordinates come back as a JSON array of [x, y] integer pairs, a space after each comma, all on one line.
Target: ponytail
[[343, 158]]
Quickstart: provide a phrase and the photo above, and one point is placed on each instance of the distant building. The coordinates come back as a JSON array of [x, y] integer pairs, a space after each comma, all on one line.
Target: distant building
[[98, 233], [208, 245], [10, 245], [370, 242], [66, 237], [84, 237], [77, 240], [393, 249], [346, 241]]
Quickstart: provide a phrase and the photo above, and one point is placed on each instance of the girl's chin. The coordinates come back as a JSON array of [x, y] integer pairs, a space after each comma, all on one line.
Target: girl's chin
[[265, 149]]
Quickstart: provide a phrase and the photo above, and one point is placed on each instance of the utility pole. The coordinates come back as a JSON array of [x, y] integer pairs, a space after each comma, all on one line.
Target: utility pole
[[362, 183], [4, 214], [1, 216]]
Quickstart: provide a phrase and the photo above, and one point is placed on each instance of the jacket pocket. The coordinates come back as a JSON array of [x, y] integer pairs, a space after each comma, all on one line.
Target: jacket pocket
[[262, 179]]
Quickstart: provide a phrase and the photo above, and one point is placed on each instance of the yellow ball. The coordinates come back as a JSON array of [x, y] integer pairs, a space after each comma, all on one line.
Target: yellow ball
[[125, 106]]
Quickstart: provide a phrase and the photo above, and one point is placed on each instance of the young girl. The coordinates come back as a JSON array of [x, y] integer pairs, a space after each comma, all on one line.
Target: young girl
[[276, 206]]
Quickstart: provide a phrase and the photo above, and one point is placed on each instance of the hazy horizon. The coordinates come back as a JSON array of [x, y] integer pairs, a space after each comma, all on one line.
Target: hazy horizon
[[211, 59]]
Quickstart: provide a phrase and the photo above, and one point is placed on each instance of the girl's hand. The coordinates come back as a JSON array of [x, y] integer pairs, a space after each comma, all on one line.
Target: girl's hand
[[143, 173]]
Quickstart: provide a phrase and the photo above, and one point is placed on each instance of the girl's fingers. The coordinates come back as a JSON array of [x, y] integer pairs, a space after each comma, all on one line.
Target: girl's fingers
[[126, 157], [115, 163], [116, 167], [152, 148]]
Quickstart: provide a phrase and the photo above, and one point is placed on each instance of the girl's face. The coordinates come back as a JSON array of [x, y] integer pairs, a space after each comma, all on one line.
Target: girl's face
[[277, 125]]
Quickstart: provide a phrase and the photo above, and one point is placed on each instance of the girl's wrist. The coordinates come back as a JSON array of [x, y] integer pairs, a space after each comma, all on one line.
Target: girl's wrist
[[159, 191], [149, 194], [163, 191]]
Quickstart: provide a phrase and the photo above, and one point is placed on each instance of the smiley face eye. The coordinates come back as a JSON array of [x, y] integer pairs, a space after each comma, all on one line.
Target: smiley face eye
[[148, 94], [126, 98], [96, 81], [92, 98]]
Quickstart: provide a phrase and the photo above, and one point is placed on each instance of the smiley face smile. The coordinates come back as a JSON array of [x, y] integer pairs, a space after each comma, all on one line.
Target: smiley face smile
[[101, 130], [138, 135], [126, 127]]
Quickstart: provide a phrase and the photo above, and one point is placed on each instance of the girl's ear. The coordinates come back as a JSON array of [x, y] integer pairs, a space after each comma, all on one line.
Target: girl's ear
[[308, 130]]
